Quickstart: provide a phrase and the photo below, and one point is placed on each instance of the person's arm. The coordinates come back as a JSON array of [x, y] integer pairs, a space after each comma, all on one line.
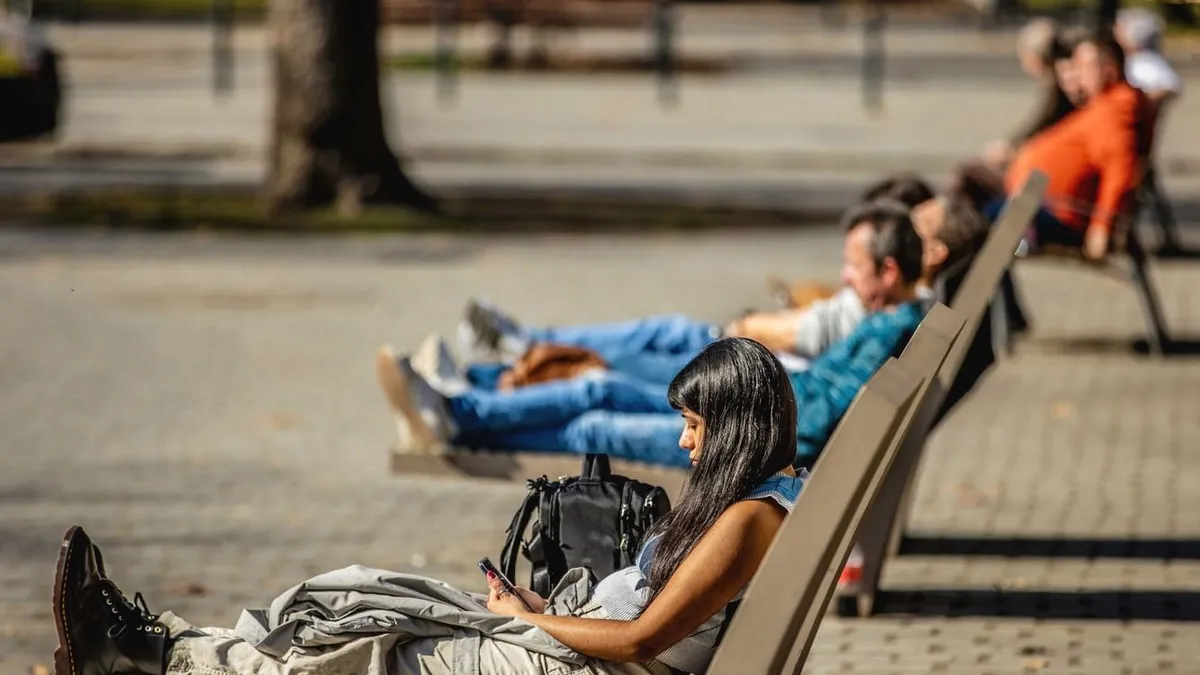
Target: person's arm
[[1049, 111], [1114, 151], [717, 569], [775, 330]]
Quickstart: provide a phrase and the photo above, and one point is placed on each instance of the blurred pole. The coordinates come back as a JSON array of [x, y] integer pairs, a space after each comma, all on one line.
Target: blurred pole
[[833, 14], [1106, 14], [873, 57], [222, 15], [664, 52], [445, 17]]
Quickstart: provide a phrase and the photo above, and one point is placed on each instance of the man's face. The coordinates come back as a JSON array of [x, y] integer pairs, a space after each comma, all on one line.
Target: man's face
[[1068, 80], [1095, 72], [873, 284], [928, 218]]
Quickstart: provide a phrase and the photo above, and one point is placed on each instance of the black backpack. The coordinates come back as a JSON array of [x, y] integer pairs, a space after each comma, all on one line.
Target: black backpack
[[597, 521]]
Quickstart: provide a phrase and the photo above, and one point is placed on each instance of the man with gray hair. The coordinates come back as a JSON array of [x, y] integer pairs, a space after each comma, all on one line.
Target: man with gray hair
[[1139, 32]]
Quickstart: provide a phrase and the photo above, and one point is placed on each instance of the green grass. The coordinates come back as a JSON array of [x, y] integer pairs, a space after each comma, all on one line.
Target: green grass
[[1087, 6], [207, 209], [10, 66], [156, 8]]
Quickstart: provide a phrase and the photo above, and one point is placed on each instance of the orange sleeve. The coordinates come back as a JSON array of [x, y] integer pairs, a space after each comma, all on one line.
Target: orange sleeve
[[1114, 154]]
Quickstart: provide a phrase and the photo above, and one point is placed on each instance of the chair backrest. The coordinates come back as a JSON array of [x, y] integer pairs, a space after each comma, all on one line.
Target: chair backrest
[[986, 269], [761, 636], [923, 357], [970, 303]]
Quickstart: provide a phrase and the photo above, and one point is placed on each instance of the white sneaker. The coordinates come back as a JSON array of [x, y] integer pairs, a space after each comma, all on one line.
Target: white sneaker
[[487, 334], [423, 422], [433, 361]]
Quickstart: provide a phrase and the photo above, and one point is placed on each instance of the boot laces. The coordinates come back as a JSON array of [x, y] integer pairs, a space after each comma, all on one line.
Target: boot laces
[[128, 615]]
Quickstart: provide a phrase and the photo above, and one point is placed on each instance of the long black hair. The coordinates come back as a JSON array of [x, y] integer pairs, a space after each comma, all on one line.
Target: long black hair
[[743, 394]]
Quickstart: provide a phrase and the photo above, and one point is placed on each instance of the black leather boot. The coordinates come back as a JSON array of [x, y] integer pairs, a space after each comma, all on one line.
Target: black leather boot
[[100, 632]]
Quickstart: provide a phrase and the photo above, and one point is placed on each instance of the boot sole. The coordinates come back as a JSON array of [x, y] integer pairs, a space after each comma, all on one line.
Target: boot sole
[[64, 653], [395, 387]]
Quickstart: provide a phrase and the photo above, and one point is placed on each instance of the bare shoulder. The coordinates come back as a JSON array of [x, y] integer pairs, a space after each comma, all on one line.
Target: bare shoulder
[[752, 516]]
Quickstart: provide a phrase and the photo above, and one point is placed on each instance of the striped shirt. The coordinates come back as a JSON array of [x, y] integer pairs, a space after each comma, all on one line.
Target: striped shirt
[[624, 595]]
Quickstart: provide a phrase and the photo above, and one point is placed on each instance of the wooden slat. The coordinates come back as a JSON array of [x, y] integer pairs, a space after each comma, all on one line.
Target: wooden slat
[[923, 357], [884, 521], [760, 637]]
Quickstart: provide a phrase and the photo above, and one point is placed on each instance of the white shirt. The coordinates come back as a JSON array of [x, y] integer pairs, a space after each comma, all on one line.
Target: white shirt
[[1150, 72]]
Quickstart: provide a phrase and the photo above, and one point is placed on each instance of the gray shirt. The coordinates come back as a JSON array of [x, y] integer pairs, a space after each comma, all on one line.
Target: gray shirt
[[832, 320]]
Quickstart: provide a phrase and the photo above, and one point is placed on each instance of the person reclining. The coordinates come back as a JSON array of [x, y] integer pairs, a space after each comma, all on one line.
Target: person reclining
[[620, 415], [664, 614], [1041, 49], [1091, 158], [653, 348], [1139, 32], [906, 187]]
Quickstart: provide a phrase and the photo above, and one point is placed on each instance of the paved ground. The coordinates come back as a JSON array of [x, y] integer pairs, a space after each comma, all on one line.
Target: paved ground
[[205, 407]]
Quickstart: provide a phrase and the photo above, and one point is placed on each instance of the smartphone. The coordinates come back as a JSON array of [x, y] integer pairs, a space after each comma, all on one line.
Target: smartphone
[[486, 565]]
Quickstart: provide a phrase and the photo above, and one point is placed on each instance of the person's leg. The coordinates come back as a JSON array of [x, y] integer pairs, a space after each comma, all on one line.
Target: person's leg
[[485, 376], [206, 651], [1050, 230], [667, 334], [479, 414], [652, 367], [652, 438], [486, 332]]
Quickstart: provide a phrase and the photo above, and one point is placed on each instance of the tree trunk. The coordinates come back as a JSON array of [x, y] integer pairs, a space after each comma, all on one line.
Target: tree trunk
[[327, 142]]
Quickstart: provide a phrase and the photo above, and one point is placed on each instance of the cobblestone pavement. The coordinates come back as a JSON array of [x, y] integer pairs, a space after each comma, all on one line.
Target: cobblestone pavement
[[205, 407]]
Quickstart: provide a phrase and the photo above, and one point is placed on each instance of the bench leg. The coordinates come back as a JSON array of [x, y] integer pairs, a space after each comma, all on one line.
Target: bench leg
[[1164, 216], [1001, 339], [446, 49], [664, 51], [1156, 330]]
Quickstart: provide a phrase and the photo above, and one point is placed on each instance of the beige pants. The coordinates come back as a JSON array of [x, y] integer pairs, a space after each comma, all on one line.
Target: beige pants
[[218, 651]]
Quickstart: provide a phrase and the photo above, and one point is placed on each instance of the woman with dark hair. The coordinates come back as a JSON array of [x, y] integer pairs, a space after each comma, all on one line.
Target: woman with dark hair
[[663, 615]]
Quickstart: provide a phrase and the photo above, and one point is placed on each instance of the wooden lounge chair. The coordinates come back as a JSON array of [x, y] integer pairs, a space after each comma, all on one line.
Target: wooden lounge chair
[[883, 525], [779, 616]]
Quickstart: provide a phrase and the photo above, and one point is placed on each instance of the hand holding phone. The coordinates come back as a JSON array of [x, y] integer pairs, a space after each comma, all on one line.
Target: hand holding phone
[[487, 567]]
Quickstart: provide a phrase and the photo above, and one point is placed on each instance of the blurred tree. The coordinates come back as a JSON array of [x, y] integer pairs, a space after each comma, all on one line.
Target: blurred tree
[[1106, 14], [327, 137]]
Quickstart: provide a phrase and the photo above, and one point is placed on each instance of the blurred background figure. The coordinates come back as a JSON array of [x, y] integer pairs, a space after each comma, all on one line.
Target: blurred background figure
[[1139, 32], [1044, 57], [30, 86]]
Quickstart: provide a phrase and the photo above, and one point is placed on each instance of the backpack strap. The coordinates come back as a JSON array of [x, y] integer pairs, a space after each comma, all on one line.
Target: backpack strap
[[516, 528], [595, 468], [625, 545]]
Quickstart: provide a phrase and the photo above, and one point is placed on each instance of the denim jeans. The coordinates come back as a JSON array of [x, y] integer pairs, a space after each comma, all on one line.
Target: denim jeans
[[667, 334], [552, 404], [1047, 229], [599, 412], [652, 438]]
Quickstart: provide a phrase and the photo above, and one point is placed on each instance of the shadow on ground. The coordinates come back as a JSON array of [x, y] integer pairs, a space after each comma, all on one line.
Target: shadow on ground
[[1091, 346], [1045, 605], [1052, 547]]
